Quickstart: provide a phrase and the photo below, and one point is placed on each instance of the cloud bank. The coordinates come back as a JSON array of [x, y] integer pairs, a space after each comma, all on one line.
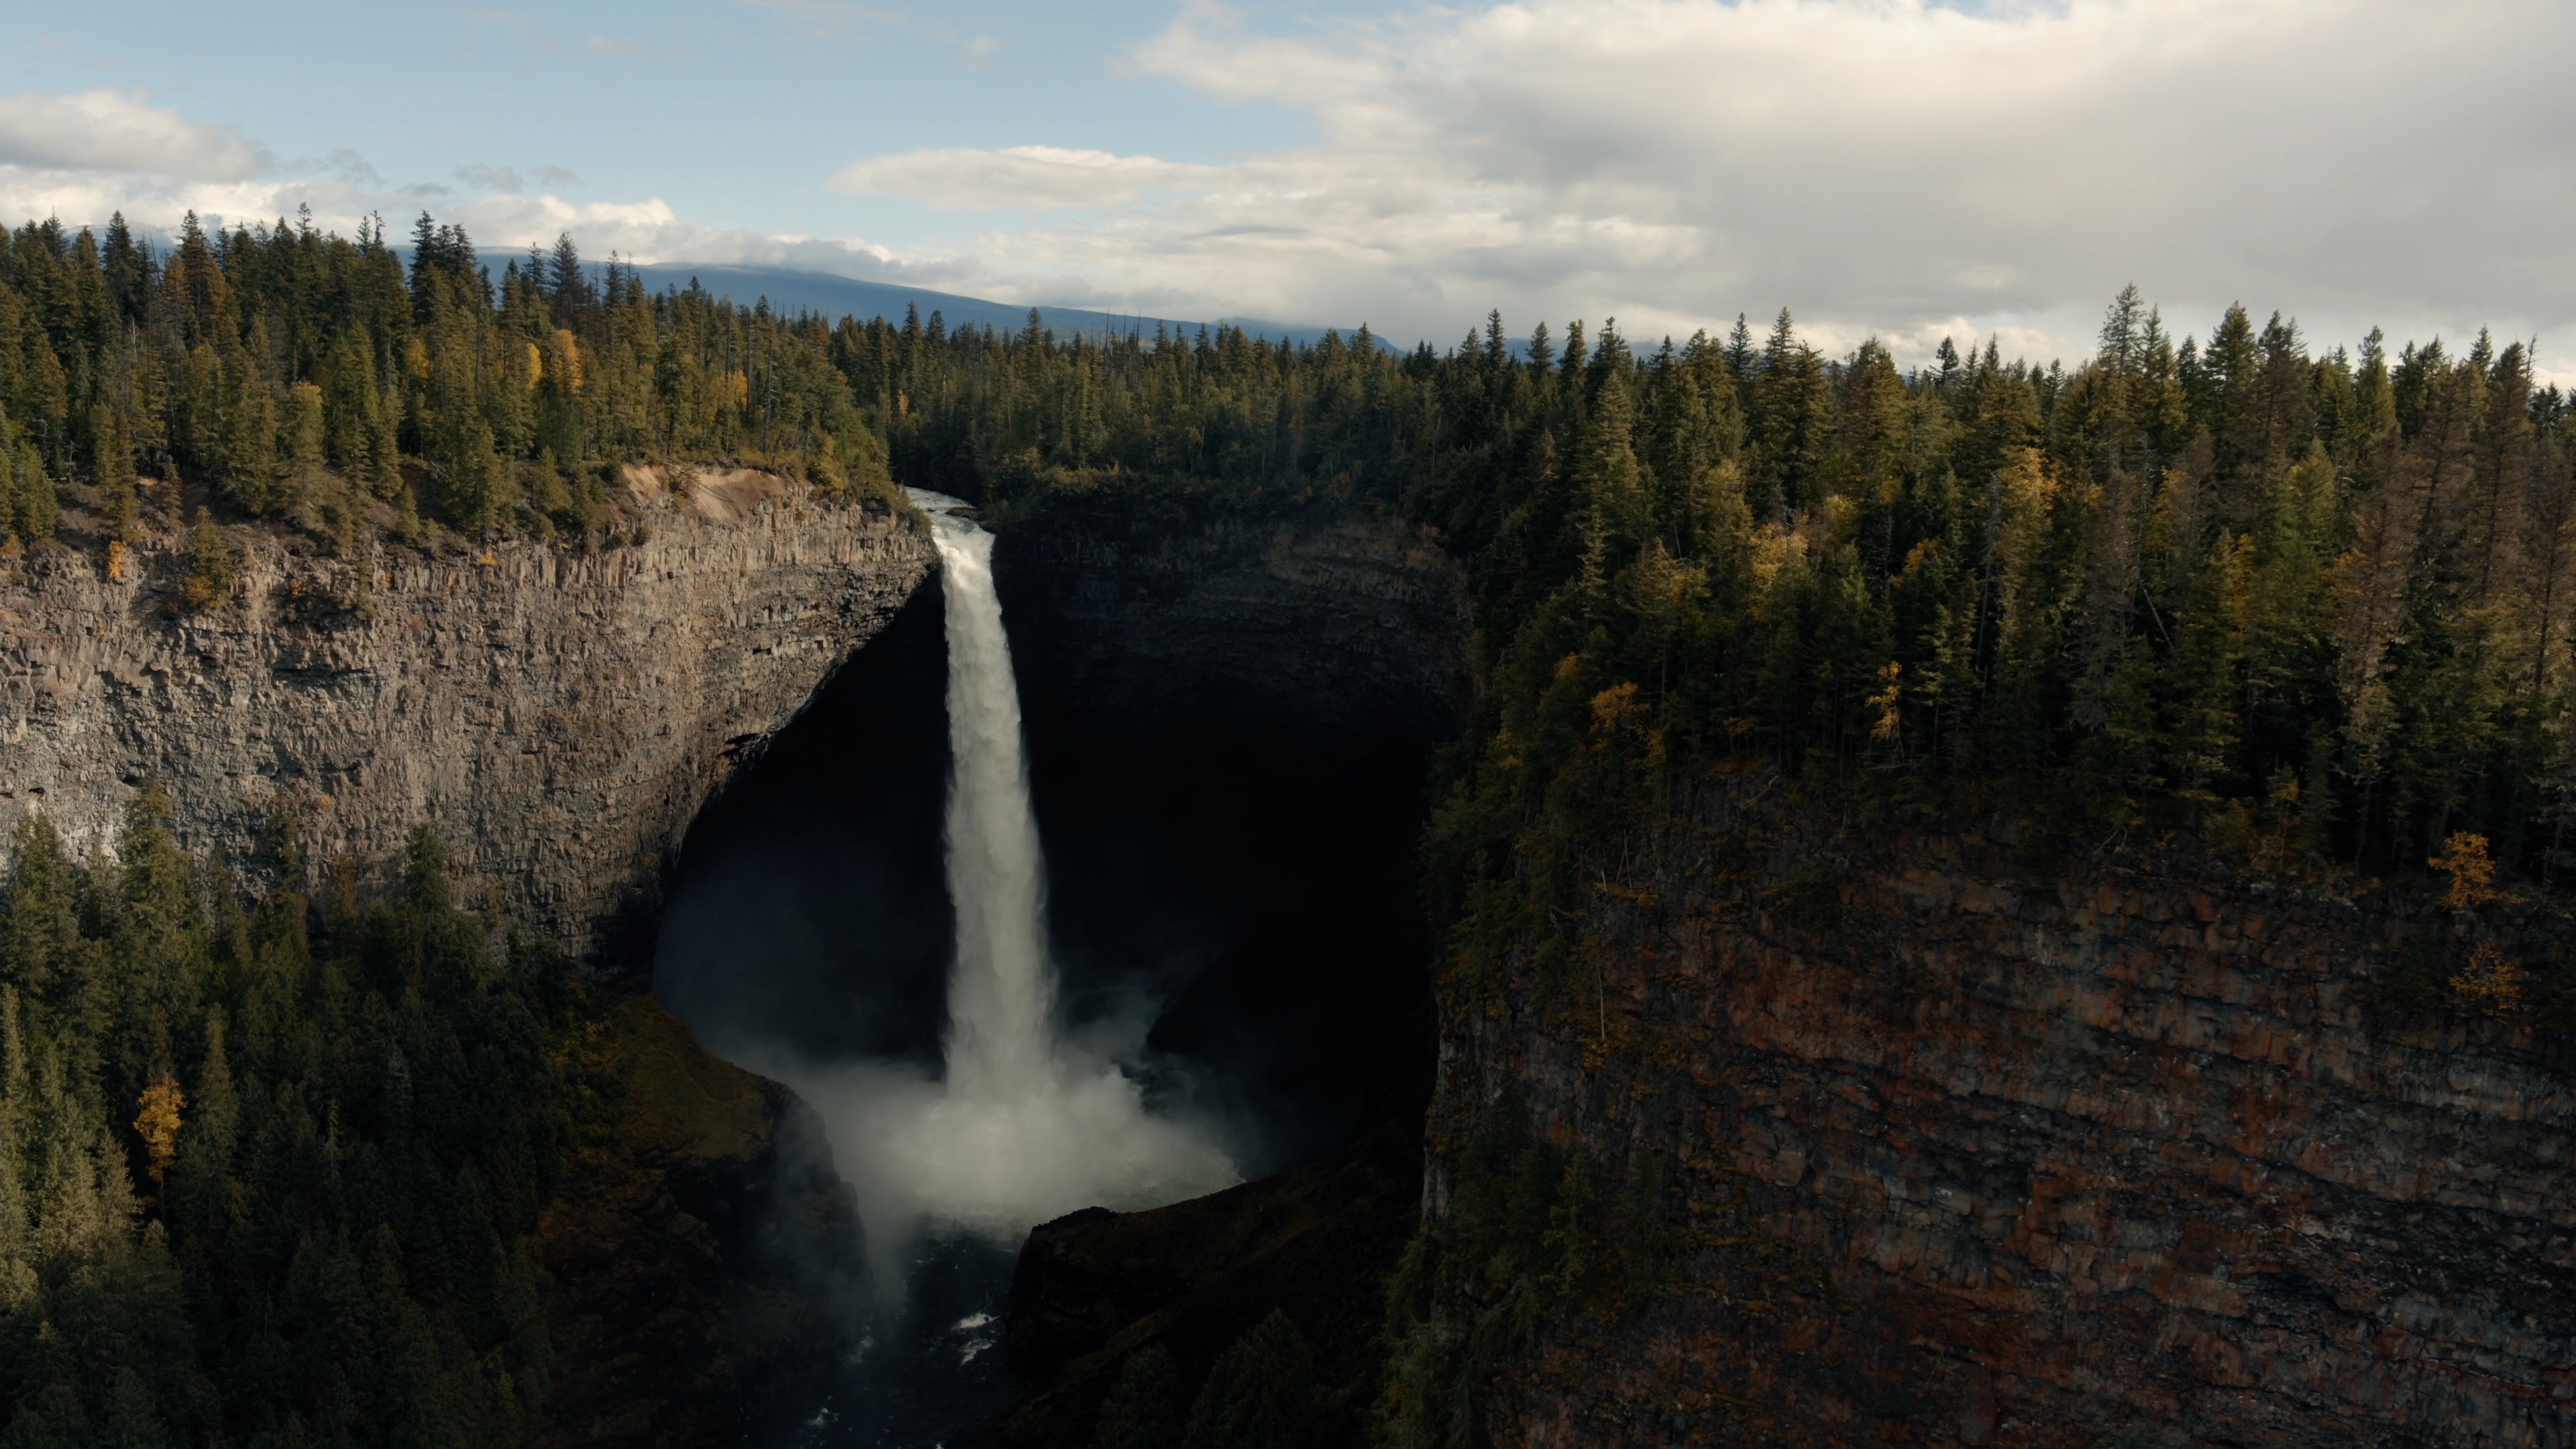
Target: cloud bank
[[112, 132], [1034, 177], [1880, 166]]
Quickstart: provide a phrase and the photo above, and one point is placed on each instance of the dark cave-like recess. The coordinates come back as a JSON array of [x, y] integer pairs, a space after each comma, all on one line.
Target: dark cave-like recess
[[1231, 842]]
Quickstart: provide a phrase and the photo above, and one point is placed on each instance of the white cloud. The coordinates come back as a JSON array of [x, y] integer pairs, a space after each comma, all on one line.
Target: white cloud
[[492, 178], [651, 232], [1886, 166], [1037, 177], [842, 22], [617, 47], [1878, 165], [106, 130]]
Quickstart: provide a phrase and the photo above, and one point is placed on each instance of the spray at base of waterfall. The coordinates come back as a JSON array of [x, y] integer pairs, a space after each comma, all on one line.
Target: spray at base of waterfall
[[923, 1158]]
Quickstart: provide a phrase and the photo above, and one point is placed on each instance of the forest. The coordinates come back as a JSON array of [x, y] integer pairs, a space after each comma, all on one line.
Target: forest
[[2308, 606], [2305, 615], [268, 1167], [2324, 597], [340, 388], [2317, 604]]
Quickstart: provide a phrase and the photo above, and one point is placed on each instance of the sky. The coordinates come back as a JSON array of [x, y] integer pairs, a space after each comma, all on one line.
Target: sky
[[1889, 168]]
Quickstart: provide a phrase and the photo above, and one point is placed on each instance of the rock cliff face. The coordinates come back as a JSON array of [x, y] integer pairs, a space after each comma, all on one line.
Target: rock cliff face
[[1315, 1242], [1337, 617], [558, 716], [1230, 718], [1985, 1145]]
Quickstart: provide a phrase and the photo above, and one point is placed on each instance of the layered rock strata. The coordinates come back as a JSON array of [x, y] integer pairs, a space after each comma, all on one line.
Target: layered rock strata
[[1971, 1144], [557, 715]]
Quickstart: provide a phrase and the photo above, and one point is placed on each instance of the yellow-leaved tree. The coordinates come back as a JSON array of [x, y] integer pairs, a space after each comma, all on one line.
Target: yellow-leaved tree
[[158, 1122]]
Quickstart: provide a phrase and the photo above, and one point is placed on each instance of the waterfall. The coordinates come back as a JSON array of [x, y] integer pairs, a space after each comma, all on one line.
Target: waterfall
[[1000, 995], [1024, 1124]]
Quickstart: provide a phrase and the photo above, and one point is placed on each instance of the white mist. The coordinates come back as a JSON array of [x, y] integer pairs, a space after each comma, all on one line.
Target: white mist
[[1026, 1124]]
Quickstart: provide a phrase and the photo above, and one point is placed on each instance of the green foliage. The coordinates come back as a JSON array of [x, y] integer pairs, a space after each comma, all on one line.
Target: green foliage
[[1529, 1234], [29, 506], [365, 1132], [1261, 1394], [2232, 587], [213, 568], [1147, 1409], [1642, 1231], [313, 381], [2558, 999]]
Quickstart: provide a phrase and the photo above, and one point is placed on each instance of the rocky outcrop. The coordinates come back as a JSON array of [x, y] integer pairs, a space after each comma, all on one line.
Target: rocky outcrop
[[1975, 1144], [1316, 1243], [557, 715]]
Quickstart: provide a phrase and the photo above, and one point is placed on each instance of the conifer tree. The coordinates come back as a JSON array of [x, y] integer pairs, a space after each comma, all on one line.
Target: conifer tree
[[1261, 1394], [1147, 1409]]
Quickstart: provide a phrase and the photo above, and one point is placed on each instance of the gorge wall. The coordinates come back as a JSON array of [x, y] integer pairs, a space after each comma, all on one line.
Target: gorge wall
[[1337, 615], [557, 716], [1231, 715], [1975, 1144]]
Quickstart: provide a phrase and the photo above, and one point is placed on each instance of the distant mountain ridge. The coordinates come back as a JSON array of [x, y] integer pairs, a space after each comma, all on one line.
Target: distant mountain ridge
[[824, 293]]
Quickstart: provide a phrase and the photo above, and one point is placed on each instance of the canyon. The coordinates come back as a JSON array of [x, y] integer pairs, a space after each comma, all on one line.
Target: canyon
[[1965, 1137]]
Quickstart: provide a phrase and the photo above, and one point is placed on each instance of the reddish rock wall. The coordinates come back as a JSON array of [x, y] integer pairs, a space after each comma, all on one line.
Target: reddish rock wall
[[2121, 1151]]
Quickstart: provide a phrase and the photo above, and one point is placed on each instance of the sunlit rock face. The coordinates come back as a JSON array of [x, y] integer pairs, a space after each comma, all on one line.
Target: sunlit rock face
[[558, 716]]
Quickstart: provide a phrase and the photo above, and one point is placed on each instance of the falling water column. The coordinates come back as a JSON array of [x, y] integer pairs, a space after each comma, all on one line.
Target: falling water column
[[1001, 997]]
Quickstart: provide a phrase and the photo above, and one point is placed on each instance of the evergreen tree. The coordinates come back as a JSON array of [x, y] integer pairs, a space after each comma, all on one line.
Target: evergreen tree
[[1147, 1409], [1261, 1394]]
